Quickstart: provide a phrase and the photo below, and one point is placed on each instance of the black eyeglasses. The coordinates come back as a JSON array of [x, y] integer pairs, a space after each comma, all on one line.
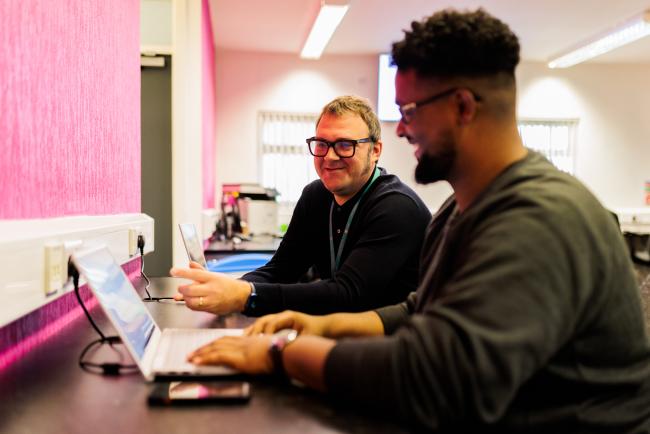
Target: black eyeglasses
[[408, 110], [344, 148]]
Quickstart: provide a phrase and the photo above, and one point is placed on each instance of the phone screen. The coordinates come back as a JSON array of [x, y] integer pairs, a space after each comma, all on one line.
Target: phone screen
[[195, 392], [192, 243]]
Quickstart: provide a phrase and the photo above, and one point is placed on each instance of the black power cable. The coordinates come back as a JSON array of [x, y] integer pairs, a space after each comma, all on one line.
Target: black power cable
[[97, 368], [74, 273], [105, 368], [146, 288]]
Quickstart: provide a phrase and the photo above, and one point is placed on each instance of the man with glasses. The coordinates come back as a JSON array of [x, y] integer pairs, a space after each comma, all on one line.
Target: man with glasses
[[527, 317], [358, 226]]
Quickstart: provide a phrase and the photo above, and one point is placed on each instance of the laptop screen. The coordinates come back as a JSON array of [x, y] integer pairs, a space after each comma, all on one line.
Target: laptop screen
[[117, 296], [192, 243]]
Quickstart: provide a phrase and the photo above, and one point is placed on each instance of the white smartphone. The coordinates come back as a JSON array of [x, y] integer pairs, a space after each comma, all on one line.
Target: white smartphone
[[192, 243]]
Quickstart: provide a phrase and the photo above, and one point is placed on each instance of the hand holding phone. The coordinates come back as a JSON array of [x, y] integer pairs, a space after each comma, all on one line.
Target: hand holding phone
[[196, 392]]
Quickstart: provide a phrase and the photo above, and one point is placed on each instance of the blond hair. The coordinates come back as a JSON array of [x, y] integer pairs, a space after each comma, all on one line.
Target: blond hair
[[356, 105]]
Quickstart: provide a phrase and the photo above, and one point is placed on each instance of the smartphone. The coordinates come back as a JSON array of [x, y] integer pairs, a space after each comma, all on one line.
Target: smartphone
[[192, 243], [200, 392]]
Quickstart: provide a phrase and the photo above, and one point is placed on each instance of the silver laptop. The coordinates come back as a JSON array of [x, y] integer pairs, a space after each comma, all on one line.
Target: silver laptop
[[192, 243], [158, 354]]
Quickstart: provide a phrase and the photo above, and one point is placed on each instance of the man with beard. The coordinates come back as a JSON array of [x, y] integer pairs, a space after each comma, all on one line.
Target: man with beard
[[358, 226], [527, 317]]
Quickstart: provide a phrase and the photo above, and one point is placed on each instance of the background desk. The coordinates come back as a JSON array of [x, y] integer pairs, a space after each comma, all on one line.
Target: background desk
[[45, 392], [262, 244]]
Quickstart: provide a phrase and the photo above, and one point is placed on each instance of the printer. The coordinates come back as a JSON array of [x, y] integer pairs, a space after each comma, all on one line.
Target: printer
[[253, 209]]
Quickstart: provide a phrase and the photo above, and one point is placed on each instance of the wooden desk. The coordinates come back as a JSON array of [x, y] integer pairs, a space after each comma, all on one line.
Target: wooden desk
[[46, 392]]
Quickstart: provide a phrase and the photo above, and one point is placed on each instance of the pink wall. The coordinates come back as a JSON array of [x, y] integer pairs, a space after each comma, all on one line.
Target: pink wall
[[69, 126], [208, 100], [248, 82], [70, 104]]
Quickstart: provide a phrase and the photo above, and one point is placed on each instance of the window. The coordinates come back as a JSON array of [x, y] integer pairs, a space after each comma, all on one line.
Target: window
[[287, 164], [555, 139]]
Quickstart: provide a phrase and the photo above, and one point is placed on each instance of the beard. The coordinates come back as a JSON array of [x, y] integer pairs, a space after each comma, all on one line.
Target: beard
[[434, 168]]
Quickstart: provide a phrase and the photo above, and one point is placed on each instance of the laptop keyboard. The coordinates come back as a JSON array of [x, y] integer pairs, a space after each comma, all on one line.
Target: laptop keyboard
[[176, 344]]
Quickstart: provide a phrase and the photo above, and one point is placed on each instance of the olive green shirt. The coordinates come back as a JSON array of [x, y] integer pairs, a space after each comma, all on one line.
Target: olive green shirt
[[527, 319]]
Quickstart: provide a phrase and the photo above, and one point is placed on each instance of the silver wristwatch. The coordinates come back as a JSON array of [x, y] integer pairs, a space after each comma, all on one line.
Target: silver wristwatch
[[279, 341]]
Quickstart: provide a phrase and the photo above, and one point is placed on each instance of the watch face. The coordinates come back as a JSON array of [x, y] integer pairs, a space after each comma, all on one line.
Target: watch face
[[288, 334], [250, 304], [283, 338], [292, 335]]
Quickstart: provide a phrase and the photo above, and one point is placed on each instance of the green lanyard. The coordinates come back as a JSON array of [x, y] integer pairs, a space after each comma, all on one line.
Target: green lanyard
[[334, 261]]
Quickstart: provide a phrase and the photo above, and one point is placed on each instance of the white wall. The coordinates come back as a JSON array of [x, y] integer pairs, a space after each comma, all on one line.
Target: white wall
[[398, 158], [612, 103], [187, 146], [249, 82], [156, 23], [174, 27]]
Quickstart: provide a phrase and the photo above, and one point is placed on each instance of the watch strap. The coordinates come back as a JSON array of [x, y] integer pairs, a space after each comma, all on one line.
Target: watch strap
[[251, 303], [279, 341]]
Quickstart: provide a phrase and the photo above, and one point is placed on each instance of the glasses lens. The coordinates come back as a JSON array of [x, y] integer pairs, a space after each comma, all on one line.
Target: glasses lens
[[344, 148], [407, 113], [318, 148]]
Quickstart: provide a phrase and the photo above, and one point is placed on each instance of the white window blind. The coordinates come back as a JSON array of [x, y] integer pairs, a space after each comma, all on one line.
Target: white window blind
[[287, 164], [555, 139]]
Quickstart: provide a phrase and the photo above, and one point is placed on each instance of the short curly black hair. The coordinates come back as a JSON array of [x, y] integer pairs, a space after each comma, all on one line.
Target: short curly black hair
[[452, 43]]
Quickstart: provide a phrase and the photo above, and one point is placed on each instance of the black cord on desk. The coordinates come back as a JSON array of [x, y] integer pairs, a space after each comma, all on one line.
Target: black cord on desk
[[105, 368], [97, 368], [146, 288]]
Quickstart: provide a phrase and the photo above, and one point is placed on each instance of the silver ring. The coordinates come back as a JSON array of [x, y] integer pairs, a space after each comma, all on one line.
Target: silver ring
[[201, 301]]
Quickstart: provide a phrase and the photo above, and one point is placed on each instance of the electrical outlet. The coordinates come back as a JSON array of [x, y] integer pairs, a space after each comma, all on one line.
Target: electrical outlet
[[55, 274], [133, 242]]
